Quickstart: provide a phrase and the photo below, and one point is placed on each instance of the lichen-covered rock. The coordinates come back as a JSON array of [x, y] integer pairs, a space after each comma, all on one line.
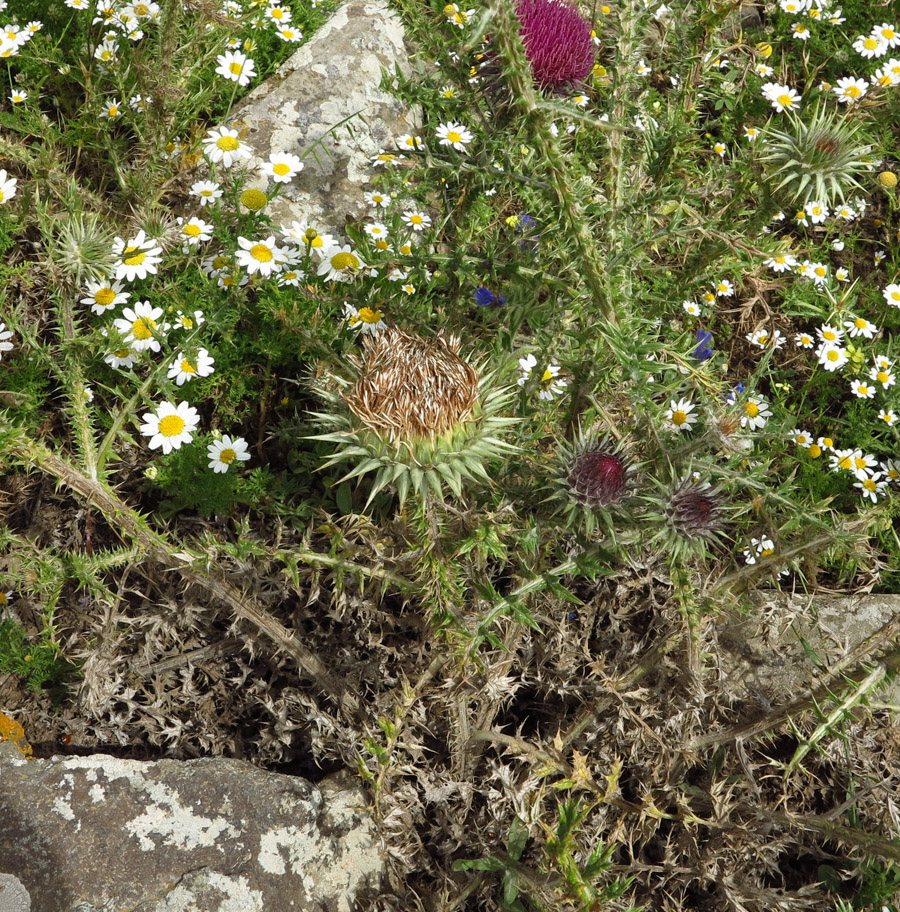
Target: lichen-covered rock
[[213, 835], [13, 895], [326, 101]]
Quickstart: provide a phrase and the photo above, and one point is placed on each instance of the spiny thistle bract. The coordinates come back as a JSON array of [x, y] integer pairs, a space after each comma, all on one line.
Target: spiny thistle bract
[[557, 42], [817, 159], [593, 477], [417, 415], [79, 249], [693, 516]]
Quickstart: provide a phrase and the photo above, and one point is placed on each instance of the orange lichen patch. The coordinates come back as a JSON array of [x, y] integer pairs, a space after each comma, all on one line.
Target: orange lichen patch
[[10, 730]]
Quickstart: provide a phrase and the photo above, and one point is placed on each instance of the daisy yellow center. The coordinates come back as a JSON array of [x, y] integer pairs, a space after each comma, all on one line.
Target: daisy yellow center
[[235, 68], [859, 323], [829, 336], [895, 295], [852, 92], [453, 136], [863, 389], [135, 260], [187, 367], [805, 340], [766, 552], [889, 34], [171, 425], [827, 441], [227, 456], [344, 261], [815, 451], [416, 220], [281, 169], [277, 13], [893, 474], [786, 101], [113, 110], [801, 216], [752, 409], [104, 297], [254, 199], [859, 463], [191, 230], [870, 485], [386, 157], [845, 463], [142, 328], [227, 143], [547, 377], [884, 80], [381, 245], [780, 260], [220, 262], [123, 353], [820, 271], [833, 355], [367, 315], [261, 253], [883, 377], [679, 417], [2, 598], [870, 44]]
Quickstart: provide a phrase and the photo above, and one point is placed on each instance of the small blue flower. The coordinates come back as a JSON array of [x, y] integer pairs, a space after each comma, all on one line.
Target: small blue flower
[[484, 297], [704, 349], [731, 398]]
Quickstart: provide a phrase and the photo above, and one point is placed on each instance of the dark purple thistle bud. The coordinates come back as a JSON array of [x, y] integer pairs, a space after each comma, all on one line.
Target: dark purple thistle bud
[[696, 510], [557, 42], [598, 476]]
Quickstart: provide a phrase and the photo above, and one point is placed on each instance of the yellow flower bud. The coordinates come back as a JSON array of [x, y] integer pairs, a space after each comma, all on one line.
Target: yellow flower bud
[[254, 199], [887, 179]]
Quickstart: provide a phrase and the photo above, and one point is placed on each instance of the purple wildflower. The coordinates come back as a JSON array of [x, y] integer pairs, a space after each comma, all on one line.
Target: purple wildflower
[[704, 349], [484, 297], [557, 42]]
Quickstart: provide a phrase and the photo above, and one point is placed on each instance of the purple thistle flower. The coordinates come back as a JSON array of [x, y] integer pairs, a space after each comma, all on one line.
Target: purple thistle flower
[[557, 42], [696, 510], [599, 475], [704, 349]]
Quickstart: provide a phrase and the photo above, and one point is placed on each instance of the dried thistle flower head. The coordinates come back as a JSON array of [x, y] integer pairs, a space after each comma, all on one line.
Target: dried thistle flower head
[[417, 415], [819, 158], [410, 388], [557, 42]]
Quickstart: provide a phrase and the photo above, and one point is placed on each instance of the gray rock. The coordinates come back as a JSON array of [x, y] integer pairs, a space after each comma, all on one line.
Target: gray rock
[[92, 833], [326, 100], [13, 895], [763, 654]]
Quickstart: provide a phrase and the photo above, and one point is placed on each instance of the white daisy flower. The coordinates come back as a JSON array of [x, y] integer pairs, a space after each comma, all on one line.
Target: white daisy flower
[[454, 135], [849, 89], [264, 257], [368, 320], [7, 186], [194, 230], [375, 198], [781, 97], [340, 264], [680, 415], [104, 296], [170, 426], [418, 221], [282, 167], [223, 453], [224, 145], [138, 257], [185, 368], [207, 192], [139, 327], [870, 46], [122, 357], [237, 67], [5, 336]]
